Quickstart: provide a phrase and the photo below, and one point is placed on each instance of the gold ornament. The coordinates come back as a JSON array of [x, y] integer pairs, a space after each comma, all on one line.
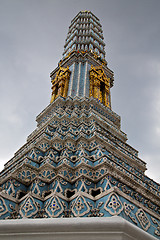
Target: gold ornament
[[60, 83], [99, 85]]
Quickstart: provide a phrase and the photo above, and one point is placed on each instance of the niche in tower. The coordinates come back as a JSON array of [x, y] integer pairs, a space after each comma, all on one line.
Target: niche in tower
[[102, 92]]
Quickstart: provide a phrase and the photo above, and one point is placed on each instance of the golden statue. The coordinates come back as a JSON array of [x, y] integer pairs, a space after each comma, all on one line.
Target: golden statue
[[60, 83], [99, 85]]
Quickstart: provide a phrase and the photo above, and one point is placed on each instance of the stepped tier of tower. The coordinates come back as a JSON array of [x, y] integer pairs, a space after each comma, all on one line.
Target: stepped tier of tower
[[77, 164]]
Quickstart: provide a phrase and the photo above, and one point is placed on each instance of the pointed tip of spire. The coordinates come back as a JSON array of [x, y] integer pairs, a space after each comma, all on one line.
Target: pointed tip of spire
[[86, 11]]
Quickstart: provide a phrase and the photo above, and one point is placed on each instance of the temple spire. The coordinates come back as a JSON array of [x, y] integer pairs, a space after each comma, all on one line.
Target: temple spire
[[85, 34], [83, 71]]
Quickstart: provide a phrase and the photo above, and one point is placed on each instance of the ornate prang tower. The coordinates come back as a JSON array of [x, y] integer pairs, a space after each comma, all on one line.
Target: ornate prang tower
[[77, 162]]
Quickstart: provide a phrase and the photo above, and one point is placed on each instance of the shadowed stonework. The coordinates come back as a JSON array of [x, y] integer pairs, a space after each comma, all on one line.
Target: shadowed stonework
[[77, 162]]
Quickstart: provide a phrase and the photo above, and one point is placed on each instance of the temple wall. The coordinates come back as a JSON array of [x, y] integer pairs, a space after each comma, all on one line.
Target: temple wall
[[114, 228]]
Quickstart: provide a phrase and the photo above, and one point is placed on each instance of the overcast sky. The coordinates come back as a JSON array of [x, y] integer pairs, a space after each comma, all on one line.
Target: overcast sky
[[32, 36]]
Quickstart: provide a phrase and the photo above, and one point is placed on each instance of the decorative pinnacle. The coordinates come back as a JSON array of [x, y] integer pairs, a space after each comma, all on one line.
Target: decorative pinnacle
[[85, 34]]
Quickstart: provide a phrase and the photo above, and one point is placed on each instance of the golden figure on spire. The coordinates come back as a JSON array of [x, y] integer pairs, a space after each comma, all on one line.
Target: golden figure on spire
[[99, 85], [60, 83]]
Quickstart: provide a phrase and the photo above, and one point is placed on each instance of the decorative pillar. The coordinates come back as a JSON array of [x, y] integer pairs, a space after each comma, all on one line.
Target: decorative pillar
[[96, 91], [60, 87], [66, 84], [91, 89], [107, 92], [53, 93]]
